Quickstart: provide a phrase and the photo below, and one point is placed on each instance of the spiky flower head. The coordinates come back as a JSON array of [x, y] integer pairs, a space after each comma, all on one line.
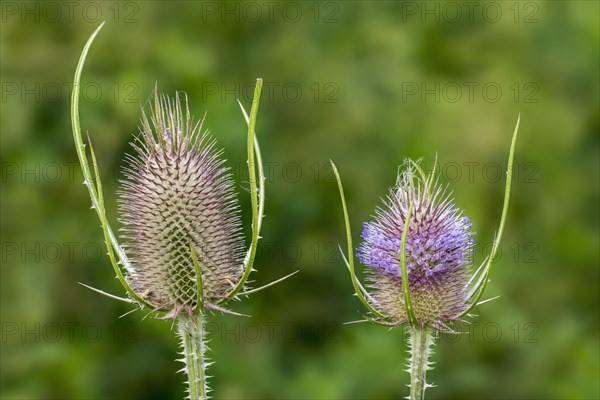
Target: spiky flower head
[[178, 199], [439, 249], [418, 249]]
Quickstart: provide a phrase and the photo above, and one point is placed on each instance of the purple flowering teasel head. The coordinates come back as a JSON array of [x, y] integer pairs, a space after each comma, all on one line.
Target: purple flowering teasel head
[[417, 250], [439, 248]]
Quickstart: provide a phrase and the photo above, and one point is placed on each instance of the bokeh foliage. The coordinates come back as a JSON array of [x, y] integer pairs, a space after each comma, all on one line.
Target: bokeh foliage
[[364, 83]]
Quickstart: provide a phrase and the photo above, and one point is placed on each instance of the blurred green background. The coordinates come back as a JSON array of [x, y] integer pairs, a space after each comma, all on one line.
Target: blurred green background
[[363, 83]]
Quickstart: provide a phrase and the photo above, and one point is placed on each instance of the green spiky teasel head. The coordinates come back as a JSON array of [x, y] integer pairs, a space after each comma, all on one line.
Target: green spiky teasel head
[[417, 250], [178, 195]]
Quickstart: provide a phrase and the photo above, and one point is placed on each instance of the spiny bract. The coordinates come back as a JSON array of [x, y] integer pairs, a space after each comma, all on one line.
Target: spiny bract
[[177, 193], [439, 248]]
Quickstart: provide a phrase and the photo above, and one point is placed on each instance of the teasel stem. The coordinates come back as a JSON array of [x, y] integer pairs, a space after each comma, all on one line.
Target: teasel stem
[[420, 341], [193, 342]]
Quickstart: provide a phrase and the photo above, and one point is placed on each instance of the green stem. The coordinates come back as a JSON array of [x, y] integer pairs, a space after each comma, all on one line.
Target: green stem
[[193, 341], [421, 340]]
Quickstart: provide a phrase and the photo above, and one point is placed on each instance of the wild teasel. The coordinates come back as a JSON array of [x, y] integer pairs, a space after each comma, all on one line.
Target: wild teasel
[[184, 253], [418, 251], [177, 199]]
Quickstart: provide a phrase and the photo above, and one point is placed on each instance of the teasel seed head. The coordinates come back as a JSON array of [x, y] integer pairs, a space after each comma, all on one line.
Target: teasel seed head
[[439, 250], [178, 196]]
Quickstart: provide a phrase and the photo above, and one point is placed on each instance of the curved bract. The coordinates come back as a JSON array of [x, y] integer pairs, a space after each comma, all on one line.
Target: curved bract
[[481, 276], [95, 185]]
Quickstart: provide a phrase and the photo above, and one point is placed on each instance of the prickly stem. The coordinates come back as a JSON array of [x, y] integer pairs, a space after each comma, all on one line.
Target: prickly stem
[[193, 342], [421, 341]]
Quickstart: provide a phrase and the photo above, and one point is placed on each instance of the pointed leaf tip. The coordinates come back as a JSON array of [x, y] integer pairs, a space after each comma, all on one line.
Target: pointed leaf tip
[[477, 291], [257, 195]]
